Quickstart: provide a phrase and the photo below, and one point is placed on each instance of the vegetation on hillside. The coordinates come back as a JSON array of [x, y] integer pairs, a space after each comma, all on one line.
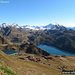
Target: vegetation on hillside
[[6, 70]]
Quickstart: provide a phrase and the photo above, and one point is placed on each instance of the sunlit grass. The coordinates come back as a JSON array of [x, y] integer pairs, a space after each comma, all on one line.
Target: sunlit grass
[[8, 71], [14, 55]]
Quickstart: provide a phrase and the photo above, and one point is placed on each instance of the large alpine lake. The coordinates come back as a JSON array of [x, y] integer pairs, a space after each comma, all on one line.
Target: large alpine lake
[[54, 51]]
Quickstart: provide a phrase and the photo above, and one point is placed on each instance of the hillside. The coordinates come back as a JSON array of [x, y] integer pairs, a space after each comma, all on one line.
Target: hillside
[[48, 65], [3, 40], [14, 34], [27, 47], [24, 67], [24, 47], [62, 39]]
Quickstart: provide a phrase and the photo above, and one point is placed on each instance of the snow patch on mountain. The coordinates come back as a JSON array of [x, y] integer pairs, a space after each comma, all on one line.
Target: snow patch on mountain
[[50, 26], [4, 25], [44, 27]]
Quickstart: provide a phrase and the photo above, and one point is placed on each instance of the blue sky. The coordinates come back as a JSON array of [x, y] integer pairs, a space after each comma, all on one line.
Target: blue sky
[[38, 12]]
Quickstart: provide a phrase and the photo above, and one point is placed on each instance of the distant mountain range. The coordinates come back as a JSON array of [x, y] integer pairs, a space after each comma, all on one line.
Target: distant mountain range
[[48, 27]]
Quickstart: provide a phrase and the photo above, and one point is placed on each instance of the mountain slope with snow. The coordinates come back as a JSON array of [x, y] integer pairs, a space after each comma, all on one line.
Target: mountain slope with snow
[[50, 26], [45, 27], [4, 25]]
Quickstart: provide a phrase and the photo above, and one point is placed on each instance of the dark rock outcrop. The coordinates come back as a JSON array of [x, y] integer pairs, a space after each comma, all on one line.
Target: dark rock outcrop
[[25, 47], [3, 41], [31, 48]]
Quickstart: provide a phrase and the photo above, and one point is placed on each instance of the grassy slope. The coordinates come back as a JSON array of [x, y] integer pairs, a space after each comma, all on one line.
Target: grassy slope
[[24, 67], [56, 62]]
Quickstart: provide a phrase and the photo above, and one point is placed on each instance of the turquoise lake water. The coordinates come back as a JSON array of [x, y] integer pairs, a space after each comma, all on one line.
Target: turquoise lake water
[[54, 51], [9, 52]]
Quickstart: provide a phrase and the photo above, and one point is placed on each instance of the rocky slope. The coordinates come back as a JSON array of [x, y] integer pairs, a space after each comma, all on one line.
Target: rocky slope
[[31, 48], [26, 47], [13, 33], [62, 39], [3, 41]]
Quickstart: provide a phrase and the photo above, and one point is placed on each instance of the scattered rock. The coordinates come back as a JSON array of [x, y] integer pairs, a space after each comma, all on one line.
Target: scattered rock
[[48, 58], [30, 58]]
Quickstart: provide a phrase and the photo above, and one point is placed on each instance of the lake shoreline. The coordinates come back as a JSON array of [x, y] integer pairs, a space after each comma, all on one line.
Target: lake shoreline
[[10, 52], [54, 51]]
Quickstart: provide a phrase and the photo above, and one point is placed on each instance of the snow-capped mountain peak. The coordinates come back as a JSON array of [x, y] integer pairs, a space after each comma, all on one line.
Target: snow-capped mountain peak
[[4, 25], [49, 26], [15, 25]]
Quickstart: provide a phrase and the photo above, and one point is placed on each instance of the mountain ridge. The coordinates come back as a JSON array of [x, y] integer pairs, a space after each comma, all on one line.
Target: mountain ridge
[[49, 26]]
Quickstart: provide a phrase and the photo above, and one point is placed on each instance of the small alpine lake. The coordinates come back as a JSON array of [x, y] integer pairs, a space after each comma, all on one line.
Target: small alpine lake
[[10, 52], [54, 51]]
